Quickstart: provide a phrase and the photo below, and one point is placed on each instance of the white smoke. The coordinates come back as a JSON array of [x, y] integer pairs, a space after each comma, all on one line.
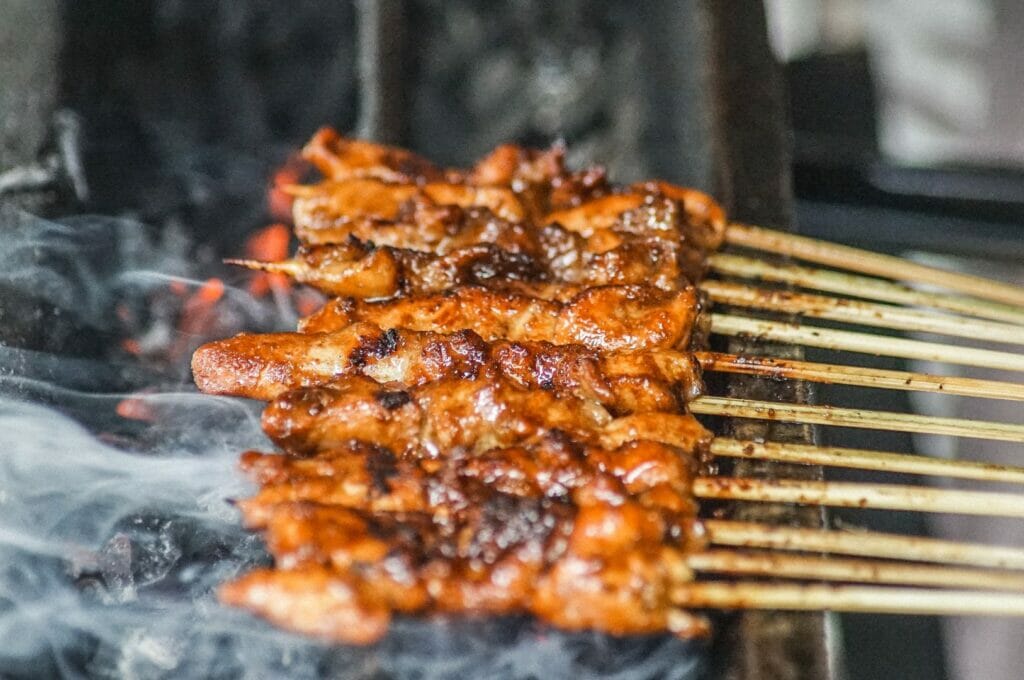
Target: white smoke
[[115, 532]]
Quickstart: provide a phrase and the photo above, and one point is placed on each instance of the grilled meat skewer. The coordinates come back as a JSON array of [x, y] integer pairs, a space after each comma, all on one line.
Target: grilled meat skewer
[[473, 415], [490, 418], [373, 478], [605, 318], [265, 366], [578, 549]]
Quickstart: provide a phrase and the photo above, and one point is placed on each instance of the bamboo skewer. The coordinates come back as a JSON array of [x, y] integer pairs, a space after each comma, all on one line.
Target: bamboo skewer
[[862, 313], [862, 459], [850, 417], [860, 376], [874, 599], [850, 570], [865, 287], [861, 544], [876, 264], [856, 495], [292, 268], [864, 343]]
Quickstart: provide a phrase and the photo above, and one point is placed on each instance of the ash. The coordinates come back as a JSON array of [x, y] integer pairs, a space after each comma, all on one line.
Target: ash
[[115, 478]]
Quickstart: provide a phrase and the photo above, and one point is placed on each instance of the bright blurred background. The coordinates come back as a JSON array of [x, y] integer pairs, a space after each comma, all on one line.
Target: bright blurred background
[[908, 121]]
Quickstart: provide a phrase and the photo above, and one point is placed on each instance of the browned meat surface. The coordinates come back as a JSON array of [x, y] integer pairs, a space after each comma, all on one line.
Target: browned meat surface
[[339, 158], [363, 270], [476, 415], [366, 197], [619, 238], [609, 318], [376, 479], [507, 531], [421, 225], [490, 417], [265, 366]]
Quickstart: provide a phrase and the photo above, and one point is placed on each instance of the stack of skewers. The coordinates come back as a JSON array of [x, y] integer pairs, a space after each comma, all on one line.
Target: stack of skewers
[[494, 410]]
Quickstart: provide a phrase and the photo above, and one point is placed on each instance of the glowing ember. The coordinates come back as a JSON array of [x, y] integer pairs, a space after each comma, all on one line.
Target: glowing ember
[[136, 407], [268, 244], [132, 346], [279, 201]]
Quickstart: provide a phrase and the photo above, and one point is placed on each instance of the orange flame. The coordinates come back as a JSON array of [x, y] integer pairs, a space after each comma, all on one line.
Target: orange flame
[[279, 201], [136, 408], [132, 346], [269, 244], [209, 292]]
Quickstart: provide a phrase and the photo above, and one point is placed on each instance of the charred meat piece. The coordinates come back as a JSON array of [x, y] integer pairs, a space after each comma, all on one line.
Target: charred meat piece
[[369, 477], [340, 158], [363, 270], [607, 318], [363, 197], [647, 237], [427, 420], [421, 225], [265, 366], [472, 415], [598, 561]]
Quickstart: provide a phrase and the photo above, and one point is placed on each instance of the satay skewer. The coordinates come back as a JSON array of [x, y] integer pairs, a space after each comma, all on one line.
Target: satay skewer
[[369, 275], [863, 287], [867, 262], [280, 362], [802, 334]]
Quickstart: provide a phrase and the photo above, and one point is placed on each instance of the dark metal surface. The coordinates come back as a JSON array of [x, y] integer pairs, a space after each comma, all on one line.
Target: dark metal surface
[[754, 184]]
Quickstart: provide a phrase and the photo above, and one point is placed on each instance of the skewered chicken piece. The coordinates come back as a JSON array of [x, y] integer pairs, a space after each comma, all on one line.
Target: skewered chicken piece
[[266, 365], [341, 158], [659, 236], [423, 225], [370, 477], [365, 197], [363, 270], [540, 176], [473, 415], [359, 269], [606, 318], [604, 567], [503, 535]]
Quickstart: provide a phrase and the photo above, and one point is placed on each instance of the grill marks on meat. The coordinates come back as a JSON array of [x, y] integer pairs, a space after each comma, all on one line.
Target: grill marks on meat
[[605, 318], [506, 531], [436, 418], [618, 239], [489, 417], [364, 270], [268, 365], [586, 233], [370, 477]]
